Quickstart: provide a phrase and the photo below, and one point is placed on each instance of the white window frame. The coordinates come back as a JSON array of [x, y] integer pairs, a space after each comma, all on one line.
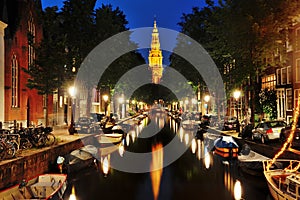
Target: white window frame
[[289, 75], [14, 82]]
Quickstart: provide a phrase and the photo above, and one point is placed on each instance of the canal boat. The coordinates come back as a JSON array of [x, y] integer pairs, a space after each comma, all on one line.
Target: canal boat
[[81, 158], [250, 161], [226, 147], [284, 182], [114, 136], [45, 186]]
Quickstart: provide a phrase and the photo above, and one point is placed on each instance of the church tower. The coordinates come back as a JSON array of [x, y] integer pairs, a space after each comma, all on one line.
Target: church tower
[[155, 57]]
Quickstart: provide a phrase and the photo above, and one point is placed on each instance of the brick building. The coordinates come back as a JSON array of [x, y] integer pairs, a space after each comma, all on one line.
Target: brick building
[[22, 34]]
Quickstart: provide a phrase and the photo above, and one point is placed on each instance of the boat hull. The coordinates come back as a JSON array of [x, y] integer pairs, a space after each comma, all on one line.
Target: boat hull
[[46, 187]]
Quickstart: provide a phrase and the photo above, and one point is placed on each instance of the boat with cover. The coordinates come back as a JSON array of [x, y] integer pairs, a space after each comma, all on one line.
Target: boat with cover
[[45, 186], [226, 147], [283, 182], [81, 158]]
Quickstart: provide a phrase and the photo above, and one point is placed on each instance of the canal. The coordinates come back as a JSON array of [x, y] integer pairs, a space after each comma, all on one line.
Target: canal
[[162, 161]]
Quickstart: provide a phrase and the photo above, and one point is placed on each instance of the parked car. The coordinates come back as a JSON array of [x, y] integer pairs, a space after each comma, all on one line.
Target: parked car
[[285, 132], [268, 130], [85, 125], [230, 123]]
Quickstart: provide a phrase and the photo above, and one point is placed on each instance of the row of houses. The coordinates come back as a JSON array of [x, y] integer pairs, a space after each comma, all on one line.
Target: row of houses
[[285, 80]]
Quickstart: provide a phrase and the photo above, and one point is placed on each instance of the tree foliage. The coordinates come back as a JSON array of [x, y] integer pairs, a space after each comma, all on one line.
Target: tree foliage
[[242, 36]]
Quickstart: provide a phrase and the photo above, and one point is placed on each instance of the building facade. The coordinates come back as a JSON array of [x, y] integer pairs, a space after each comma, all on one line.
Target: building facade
[[22, 34]]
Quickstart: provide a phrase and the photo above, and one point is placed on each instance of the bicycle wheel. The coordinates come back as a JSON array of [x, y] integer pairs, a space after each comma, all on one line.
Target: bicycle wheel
[[10, 150], [25, 144], [51, 140], [2, 150]]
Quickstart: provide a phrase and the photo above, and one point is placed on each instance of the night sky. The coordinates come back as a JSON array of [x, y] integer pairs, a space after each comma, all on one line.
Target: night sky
[[140, 13]]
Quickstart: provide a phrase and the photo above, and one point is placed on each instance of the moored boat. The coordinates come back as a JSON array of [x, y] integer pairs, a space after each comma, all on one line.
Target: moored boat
[[81, 158], [226, 147], [45, 186], [284, 182]]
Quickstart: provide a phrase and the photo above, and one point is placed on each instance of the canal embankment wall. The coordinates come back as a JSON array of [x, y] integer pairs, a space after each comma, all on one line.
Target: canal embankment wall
[[31, 163]]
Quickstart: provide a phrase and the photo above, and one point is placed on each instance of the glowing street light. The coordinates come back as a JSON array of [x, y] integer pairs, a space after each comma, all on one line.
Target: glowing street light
[[72, 92], [206, 99], [236, 95], [105, 98]]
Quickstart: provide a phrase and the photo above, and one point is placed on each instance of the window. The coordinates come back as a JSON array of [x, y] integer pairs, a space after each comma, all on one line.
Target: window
[[14, 82], [31, 41], [289, 99], [278, 73], [296, 95], [297, 39], [298, 70], [289, 75], [269, 82], [283, 75]]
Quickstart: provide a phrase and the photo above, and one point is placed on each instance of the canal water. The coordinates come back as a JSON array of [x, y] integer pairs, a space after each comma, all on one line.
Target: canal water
[[197, 173]]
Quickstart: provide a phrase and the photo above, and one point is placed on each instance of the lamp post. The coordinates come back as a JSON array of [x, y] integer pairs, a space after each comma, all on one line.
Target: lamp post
[[236, 95], [121, 102], [206, 99], [72, 92], [105, 98]]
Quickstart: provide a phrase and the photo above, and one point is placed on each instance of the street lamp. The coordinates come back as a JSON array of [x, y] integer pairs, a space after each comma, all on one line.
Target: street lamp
[[105, 98], [121, 102], [72, 93], [206, 99], [236, 95]]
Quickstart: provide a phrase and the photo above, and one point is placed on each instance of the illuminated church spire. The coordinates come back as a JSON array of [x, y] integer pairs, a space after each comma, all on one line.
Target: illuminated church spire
[[155, 56]]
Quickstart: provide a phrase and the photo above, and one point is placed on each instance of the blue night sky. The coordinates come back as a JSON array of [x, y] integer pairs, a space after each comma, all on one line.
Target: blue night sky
[[140, 13]]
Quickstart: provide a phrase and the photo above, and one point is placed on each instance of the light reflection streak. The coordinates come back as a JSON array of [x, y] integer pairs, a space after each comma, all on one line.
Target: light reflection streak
[[181, 134], [186, 138], [237, 190], [194, 145], [72, 195], [207, 160], [106, 165], [156, 168]]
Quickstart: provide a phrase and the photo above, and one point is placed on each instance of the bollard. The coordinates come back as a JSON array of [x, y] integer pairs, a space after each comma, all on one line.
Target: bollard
[[0, 125]]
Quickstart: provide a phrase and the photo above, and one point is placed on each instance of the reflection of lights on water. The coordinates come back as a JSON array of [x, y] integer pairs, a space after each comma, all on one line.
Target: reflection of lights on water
[[121, 150], [237, 190], [181, 134], [105, 165], [199, 148], [133, 136], [72, 195], [194, 145], [156, 168], [127, 139], [186, 138], [161, 122], [207, 161]]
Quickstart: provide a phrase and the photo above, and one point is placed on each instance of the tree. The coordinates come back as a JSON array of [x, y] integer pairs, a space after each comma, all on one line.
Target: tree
[[268, 102], [242, 36], [47, 72]]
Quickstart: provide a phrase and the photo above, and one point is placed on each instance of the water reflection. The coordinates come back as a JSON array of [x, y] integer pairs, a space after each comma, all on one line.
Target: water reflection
[[198, 174], [156, 168]]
